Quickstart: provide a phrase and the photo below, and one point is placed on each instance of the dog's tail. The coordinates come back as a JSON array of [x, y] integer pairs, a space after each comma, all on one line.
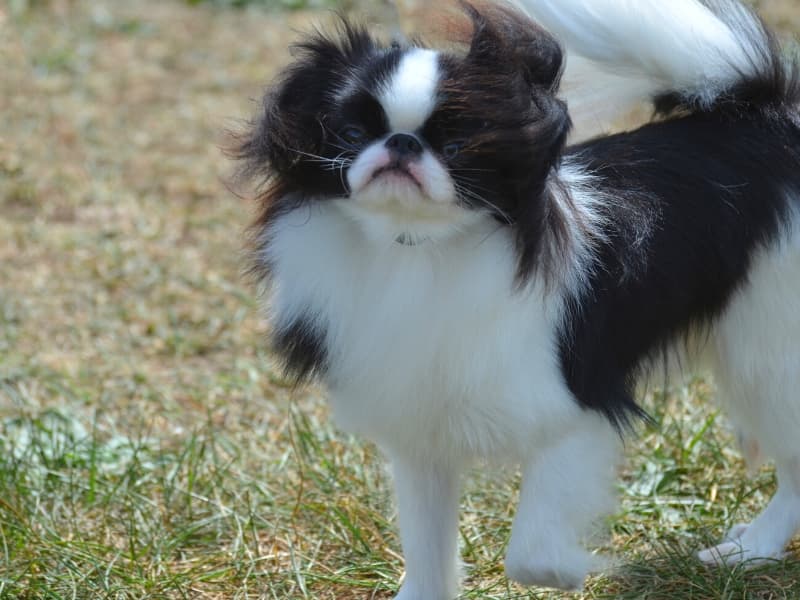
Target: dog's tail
[[695, 55]]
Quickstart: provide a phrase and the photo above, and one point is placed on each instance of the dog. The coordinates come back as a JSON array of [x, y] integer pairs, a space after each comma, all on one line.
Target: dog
[[471, 288]]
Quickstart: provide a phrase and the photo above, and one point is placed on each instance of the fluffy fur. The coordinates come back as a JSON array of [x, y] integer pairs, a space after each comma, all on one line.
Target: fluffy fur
[[469, 288]]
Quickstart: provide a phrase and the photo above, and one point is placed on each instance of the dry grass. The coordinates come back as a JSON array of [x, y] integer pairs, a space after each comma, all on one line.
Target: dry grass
[[148, 448]]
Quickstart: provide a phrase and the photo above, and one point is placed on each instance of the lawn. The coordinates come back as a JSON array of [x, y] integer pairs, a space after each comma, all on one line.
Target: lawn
[[148, 445]]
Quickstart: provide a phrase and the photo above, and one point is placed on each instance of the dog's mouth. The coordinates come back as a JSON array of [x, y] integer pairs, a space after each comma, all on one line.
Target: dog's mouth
[[396, 170]]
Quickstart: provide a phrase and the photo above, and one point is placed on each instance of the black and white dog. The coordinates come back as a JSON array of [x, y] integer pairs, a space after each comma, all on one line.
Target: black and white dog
[[471, 289]]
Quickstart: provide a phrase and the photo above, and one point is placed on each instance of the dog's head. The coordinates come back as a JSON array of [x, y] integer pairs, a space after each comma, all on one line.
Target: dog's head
[[414, 143]]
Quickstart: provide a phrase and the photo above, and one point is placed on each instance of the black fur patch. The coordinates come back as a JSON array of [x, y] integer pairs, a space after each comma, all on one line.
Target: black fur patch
[[716, 190], [302, 348], [499, 100], [296, 140]]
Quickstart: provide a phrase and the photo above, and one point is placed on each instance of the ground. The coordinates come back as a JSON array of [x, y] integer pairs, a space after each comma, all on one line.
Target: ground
[[148, 446]]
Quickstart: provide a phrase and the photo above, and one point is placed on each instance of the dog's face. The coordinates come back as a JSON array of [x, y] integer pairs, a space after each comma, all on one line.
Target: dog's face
[[400, 178], [416, 144]]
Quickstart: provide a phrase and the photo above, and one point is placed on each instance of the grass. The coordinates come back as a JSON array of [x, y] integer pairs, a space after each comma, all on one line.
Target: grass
[[148, 447]]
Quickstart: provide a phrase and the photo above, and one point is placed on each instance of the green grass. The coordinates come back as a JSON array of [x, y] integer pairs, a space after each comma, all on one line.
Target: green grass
[[292, 509], [148, 447]]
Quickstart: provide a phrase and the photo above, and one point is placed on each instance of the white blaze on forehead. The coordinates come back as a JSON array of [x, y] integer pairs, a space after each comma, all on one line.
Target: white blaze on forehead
[[409, 97]]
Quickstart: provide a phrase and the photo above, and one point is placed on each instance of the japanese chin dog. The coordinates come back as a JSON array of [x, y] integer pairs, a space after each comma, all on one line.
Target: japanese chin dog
[[470, 288]]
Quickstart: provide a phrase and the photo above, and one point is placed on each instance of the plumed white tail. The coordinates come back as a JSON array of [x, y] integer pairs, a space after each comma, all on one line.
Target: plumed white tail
[[641, 49]]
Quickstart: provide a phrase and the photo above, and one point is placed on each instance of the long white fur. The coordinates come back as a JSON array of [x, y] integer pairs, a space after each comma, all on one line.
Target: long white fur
[[437, 359], [464, 357], [624, 52]]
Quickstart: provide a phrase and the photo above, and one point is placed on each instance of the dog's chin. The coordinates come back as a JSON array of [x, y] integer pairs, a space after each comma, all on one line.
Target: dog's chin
[[393, 207]]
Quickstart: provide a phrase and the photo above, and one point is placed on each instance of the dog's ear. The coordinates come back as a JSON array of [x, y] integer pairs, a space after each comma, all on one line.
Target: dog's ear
[[503, 36], [291, 123]]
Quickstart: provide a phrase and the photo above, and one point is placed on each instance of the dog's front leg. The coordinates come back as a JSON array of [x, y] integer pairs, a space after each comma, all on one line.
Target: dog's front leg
[[427, 500], [565, 488]]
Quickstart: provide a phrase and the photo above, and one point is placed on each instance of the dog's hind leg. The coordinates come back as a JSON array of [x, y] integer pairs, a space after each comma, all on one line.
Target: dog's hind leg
[[767, 536], [565, 487], [757, 369]]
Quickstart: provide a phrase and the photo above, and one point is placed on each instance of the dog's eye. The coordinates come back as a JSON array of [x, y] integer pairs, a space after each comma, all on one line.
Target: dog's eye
[[352, 134], [451, 150]]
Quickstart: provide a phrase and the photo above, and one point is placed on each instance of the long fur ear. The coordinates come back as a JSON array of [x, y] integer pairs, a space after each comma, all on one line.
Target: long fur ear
[[502, 33], [290, 122], [508, 80]]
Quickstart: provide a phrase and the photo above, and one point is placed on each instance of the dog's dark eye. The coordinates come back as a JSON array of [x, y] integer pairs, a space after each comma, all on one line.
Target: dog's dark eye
[[451, 150], [352, 134]]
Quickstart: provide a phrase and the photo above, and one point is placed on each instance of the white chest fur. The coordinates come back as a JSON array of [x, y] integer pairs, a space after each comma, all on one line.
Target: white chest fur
[[429, 346]]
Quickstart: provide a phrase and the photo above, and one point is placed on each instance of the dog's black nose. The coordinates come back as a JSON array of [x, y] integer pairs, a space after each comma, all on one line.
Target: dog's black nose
[[404, 144]]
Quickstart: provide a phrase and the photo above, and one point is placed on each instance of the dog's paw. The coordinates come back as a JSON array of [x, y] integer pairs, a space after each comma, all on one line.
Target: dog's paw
[[739, 547], [411, 591], [564, 570], [735, 532], [726, 553]]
